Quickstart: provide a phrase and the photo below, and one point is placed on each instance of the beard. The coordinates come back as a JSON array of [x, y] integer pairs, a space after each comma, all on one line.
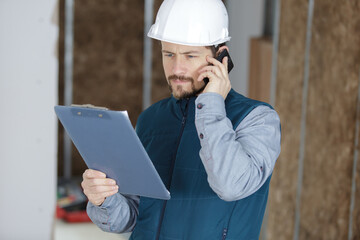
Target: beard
[[180, 93]]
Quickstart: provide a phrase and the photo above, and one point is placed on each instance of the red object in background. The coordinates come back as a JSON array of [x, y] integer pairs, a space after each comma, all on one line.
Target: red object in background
[[72, 217], [77, 216], [60, 212]]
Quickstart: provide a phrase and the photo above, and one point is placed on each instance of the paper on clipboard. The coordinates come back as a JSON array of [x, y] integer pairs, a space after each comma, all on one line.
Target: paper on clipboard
[[108, 143]]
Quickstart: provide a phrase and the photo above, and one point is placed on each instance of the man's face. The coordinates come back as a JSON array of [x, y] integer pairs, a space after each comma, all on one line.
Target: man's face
[[181, 66]]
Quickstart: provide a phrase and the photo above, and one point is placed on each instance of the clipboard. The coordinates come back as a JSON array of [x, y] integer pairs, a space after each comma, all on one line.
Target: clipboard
[[107, 142]]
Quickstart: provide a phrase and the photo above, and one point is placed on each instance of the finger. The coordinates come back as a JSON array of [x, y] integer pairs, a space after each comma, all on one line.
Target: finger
[[102, 189], [207, 74], [222, 66], [91, 173], [215, 62], [99, 190], [102, 195], [98, 199], [212, 69], [90, 182], [100, 182], [107, 194], [225, 63]]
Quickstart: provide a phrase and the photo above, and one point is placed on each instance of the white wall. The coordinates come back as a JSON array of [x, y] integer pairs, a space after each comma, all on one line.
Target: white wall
[[246, 20], [28, 127]]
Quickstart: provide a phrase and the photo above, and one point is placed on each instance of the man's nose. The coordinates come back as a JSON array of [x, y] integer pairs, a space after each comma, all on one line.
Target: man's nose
[[179, 67]]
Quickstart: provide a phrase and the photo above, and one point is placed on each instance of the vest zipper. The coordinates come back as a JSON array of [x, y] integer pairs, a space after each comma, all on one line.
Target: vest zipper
[[224, 234], [183, 122]]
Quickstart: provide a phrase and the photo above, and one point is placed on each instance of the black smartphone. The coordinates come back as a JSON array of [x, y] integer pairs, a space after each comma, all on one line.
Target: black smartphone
[[223, 53]]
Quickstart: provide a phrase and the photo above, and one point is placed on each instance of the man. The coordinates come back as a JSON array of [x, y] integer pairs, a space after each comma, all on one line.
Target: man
[[214, 149]]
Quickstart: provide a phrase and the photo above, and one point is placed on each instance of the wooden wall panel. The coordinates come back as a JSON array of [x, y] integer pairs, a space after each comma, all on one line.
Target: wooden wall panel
[[281, 207], [330, 123]]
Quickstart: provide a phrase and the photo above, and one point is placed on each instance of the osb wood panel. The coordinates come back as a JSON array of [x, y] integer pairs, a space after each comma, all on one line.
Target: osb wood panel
[[281, 207], [108, 57], [331, 113]]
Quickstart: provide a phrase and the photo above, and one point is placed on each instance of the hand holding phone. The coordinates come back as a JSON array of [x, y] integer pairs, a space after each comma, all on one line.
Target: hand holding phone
[[220, 58]]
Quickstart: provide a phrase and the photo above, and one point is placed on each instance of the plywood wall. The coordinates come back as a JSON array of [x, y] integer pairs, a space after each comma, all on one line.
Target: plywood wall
[[314, 174]]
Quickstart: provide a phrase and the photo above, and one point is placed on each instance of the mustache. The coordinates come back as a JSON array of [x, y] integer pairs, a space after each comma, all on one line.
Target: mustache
[[182, 78]]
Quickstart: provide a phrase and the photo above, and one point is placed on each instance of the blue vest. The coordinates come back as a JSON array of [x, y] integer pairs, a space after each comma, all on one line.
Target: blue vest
[[194, 212]]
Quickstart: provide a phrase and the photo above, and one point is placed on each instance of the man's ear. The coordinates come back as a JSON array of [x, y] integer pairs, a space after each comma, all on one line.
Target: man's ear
[[221, 49]]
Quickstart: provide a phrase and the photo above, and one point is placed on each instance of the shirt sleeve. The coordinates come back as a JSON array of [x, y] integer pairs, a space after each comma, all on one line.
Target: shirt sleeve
[[117, 214], [238, 162]]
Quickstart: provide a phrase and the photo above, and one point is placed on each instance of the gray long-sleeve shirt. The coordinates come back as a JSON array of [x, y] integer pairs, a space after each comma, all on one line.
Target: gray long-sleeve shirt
[[237, 162]]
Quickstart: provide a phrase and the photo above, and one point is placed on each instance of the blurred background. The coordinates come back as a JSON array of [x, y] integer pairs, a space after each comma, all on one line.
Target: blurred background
[[303, 57]]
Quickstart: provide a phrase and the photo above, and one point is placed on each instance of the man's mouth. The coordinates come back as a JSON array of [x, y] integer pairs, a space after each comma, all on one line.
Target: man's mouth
[[179, 81]]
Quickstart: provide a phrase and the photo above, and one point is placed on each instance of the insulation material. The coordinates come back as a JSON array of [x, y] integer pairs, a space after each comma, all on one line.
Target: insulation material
[[282, 196], [330, 123]]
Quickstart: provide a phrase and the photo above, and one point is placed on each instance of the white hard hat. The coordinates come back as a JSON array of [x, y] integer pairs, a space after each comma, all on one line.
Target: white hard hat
[[191, 22]]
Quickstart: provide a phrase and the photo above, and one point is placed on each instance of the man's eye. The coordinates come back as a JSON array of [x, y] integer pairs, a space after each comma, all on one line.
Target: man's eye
[[191, 56], [168, 55]]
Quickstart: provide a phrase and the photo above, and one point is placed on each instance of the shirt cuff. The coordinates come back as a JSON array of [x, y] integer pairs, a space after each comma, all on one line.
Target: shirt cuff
[[209, 103], [102, 215], [110, 202]]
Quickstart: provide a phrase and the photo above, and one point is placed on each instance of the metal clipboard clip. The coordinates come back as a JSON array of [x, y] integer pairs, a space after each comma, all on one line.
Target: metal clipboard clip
[[89, 106]]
